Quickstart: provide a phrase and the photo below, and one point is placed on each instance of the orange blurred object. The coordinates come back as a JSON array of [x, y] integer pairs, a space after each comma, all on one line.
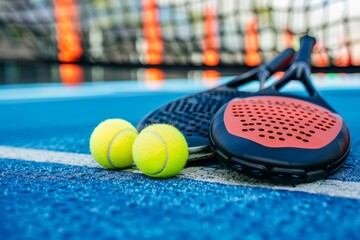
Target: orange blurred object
[[252, 55], [288, 39], [71, 74], [210, 42], [68, 30], [154, 78], [343, 56], [152, 32], [278, 75], [320, 56], [211, 77]]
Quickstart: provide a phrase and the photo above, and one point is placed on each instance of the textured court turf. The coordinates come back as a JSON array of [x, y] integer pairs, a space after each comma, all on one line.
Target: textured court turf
[[49, 200]]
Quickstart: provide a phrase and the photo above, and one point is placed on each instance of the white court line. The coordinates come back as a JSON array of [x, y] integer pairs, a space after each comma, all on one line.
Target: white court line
[[333, 188]]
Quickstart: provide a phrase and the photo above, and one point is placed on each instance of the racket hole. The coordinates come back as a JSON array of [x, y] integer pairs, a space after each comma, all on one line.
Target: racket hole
[[278, 119], [272, 121], [253, 119], [276, 127], [279, 133], [296, 122], [244, 130], [320, 124], [305, 140], [285, 128], [328, 127], [331, 124], [263, 120], [258, 123], [271, 137], [312, 131], [282, 123], [242, 120], [281, 139], [298, 137], [270, 131], [291, 124], [261, 129], [306, 124], [287, 120], [301, 127], [245, 124], [294, 129], [251, 124], [268, 125], [270, 117], [309, 135], [324, 129], [316, 127], [251, 129], [301, 132], [289, 134]]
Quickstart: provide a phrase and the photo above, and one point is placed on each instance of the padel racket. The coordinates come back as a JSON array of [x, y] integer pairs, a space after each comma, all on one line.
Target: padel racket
[[280, 136], [192, 114]]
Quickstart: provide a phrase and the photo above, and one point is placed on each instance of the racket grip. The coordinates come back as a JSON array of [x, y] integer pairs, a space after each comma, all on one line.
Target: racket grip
[[281, 61], [306, 45]]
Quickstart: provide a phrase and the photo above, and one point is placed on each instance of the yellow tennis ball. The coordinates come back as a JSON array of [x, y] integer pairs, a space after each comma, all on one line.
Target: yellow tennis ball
[[111, 143], [160, 151]]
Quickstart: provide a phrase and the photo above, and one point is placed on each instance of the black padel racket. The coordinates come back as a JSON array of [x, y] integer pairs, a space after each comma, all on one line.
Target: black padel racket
[[281, 136], [192, 114]]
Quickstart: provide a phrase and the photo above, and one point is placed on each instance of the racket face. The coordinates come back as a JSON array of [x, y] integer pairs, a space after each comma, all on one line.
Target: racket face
[[282, 122]]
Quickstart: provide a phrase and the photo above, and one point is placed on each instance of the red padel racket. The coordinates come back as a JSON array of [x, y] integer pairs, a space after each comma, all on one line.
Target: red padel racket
[[280, 136], [192, 114]]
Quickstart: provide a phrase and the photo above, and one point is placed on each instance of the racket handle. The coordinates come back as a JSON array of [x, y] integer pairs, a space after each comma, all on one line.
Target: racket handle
[[304, 55], [281, 61]]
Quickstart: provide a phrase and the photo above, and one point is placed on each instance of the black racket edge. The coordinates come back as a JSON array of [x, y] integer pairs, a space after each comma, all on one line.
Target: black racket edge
[[298, 71], [280, 62]]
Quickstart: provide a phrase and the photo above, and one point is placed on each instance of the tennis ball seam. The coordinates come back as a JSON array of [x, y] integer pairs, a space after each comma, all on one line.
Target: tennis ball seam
[[166, 152], [111, 143]]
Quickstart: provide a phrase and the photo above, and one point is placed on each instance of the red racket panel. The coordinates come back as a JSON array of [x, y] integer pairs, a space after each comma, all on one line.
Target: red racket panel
[[282, 122]]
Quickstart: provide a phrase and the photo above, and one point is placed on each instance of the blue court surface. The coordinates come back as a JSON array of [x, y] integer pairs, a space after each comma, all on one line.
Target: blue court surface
[[51, 188]]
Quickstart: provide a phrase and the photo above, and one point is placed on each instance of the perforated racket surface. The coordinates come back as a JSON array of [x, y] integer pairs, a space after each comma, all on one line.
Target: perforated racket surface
[[280, 136], [192, 114]]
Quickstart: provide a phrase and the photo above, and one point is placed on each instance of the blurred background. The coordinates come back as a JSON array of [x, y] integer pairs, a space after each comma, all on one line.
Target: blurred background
[[72, 41]]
